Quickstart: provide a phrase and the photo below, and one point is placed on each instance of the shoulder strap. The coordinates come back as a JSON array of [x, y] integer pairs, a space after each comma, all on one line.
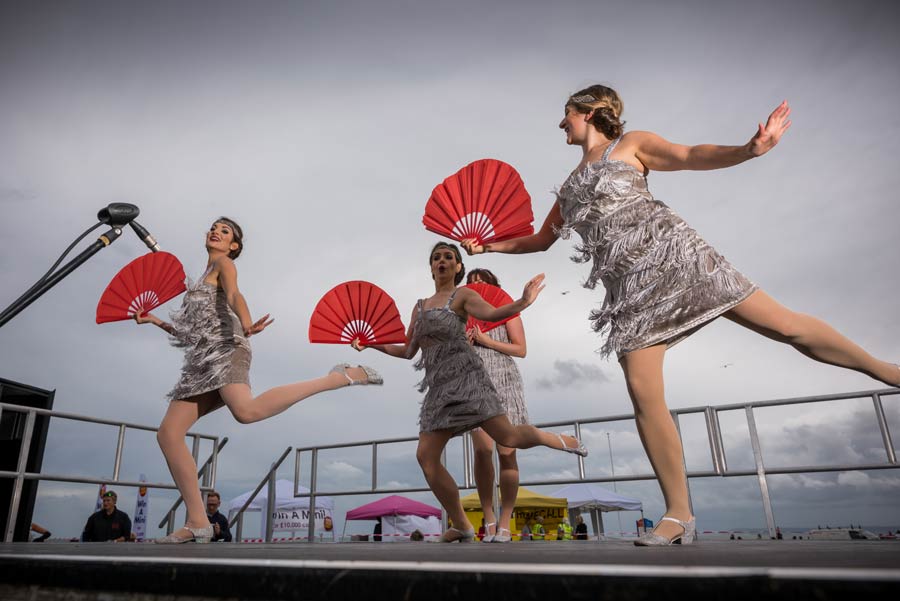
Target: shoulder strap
[[450, 300], [609, 148]]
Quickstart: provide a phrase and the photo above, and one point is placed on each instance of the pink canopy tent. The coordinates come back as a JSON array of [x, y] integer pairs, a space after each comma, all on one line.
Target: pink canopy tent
[[392, 505]]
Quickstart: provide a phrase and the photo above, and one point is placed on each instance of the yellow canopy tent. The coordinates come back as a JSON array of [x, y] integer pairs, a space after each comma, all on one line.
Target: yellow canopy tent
[[529, 505]]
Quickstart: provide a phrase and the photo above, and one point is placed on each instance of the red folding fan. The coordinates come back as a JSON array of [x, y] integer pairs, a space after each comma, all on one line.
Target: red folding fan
[[496, 297], [141, 286], [485, 200], [356, 309]]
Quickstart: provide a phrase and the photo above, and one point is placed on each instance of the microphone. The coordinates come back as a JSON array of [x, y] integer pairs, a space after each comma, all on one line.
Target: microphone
[[118, 213], [144, 235]]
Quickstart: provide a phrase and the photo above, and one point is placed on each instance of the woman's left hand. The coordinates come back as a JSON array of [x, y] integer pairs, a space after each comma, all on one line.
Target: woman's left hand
[[532, 289], [260, 325], [476, 336], [769, 134]]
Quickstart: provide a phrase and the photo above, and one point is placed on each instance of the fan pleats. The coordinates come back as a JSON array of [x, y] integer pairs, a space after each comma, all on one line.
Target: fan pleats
[[497, 297], [356, 309], [141, 286], [485, 200]]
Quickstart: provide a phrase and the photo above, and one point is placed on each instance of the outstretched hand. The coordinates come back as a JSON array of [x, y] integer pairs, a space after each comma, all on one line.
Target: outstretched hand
[[769, 134], [533, 288], [258, 326], [472, 247]]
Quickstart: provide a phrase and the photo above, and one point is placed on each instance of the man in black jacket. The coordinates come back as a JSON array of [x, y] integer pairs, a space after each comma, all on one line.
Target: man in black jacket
[[107, 524], [218, 521]]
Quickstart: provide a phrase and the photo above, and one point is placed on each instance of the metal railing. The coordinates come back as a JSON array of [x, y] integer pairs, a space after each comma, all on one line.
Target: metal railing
[[269, 480], [714, 438], [20, 475]]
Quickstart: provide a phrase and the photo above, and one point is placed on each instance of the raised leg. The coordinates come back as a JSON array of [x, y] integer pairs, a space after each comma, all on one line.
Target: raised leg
[[809, 335], [644, 378], [525, 436], [247, 409], [180, 416]]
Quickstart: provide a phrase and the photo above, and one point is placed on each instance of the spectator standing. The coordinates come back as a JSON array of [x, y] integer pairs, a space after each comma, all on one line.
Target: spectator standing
[[580, 529], [107, 524], [525, 534], [537, 531]]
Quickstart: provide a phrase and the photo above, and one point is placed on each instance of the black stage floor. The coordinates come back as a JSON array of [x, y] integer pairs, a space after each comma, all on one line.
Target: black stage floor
[[549, 570]]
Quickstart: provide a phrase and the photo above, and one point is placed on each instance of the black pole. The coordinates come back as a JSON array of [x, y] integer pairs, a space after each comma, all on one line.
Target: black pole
[[35, 292]]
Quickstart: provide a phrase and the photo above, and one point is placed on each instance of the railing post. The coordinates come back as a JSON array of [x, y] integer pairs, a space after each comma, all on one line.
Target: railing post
[[270, 506], [239, 531], [687, 481], [883, 427], [24, 448], [708, 415], [170, 522], [214, 464], [760, 471], [119, 445], [374, 466], [467, 449], [314, 464], [580, 458], [195, 449]]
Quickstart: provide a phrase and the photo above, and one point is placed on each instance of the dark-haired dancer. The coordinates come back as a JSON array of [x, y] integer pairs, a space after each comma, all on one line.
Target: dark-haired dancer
[[459, 393], [663, 282], [213, 326], [497, 347]]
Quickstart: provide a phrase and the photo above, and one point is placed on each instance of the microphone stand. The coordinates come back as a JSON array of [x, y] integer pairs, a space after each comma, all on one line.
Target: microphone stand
[[116, 214]]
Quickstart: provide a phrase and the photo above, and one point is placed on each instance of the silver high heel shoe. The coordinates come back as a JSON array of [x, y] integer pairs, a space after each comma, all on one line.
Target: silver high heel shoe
[[465, 536], [500, 537], [488, 537], [372, 376], [198, 535], [649, 539], [580, 450]]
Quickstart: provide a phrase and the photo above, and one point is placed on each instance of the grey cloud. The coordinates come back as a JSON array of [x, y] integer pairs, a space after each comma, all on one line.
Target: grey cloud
[[571, 373]]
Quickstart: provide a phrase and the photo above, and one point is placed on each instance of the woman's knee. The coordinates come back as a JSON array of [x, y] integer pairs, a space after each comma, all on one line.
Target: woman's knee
[[507, 459], [244, 414]]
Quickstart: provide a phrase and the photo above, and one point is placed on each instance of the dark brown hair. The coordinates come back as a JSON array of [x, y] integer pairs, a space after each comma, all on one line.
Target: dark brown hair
[[237, 234], [213, 493], [462, 272], [485, 275], [606, 106]]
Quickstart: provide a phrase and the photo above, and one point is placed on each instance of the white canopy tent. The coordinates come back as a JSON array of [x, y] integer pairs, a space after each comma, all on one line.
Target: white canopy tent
[[594, 499], [291, 513]]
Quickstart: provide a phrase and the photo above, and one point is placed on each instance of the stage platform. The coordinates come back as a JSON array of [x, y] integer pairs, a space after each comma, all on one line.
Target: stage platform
[[732, 570]]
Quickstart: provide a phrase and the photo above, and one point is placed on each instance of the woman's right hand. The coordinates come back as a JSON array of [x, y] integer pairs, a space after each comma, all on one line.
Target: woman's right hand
[[472, 247], [142, 318], [356, 344]]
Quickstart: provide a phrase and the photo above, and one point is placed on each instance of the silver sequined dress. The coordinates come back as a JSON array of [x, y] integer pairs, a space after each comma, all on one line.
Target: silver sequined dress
[[662, 280], [459, 394], [505, 376], [216, 352]]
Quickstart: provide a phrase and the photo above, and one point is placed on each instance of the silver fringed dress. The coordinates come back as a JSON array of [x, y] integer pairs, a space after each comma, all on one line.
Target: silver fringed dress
[[459, 394], [662, 280], [216, 352], [505, 376]]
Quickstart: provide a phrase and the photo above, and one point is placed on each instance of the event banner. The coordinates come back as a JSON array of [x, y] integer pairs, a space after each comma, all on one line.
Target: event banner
[[298, 520], [141, 511], [99, 505]]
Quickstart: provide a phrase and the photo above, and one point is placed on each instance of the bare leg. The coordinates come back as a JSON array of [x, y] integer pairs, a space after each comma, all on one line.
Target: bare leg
[[524, 436], [509, 484], [812, 337], [484, 477], [644, 377], [246, 409], [441, 483], [181, 415]]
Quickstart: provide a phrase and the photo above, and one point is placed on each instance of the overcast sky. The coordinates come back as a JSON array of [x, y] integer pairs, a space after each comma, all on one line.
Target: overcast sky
[[322, 129]]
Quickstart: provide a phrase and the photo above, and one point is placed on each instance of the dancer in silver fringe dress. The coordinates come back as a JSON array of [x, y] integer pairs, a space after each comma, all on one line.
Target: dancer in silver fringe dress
[[459, 394], [497, 347], [662, 280], [213, 326]]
